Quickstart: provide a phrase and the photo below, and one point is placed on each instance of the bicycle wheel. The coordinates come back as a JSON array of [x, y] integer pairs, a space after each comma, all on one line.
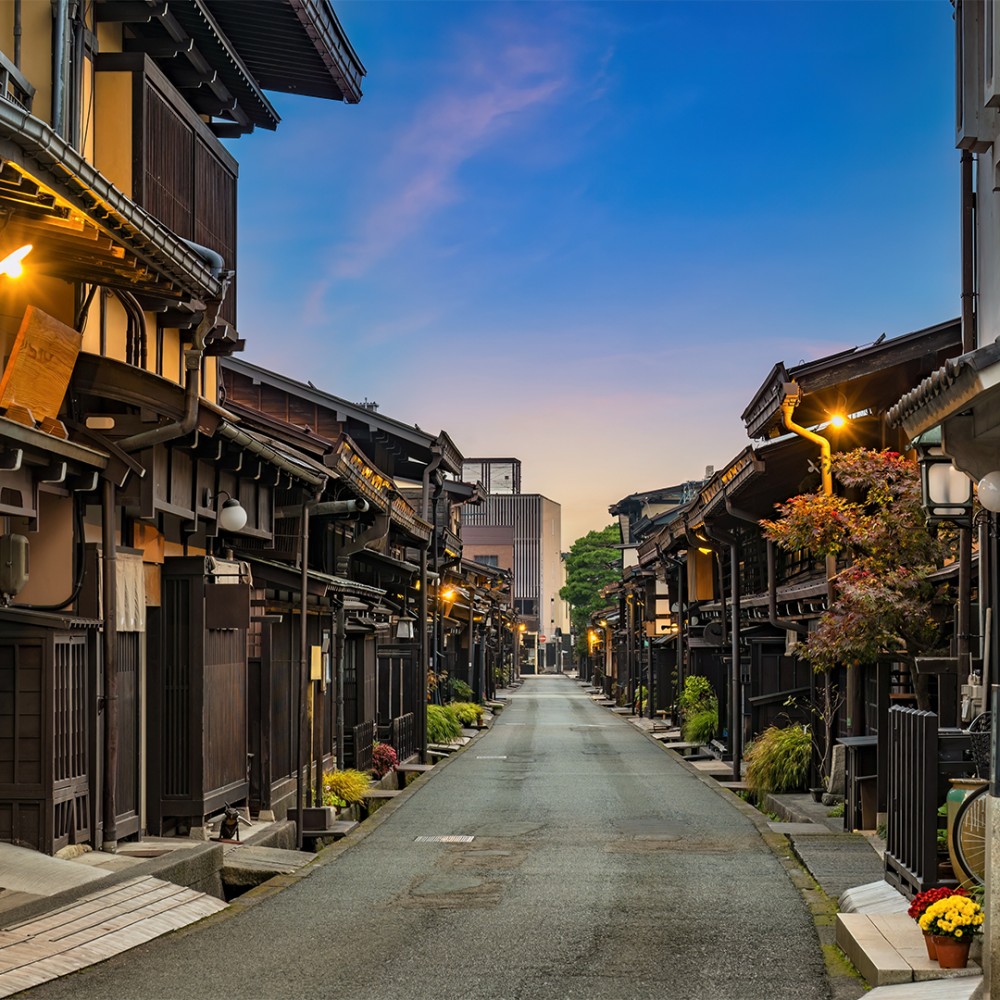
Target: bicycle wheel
[[969, 837]]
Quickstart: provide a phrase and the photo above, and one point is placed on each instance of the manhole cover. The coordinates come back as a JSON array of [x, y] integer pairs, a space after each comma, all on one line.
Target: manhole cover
[[447, 839]]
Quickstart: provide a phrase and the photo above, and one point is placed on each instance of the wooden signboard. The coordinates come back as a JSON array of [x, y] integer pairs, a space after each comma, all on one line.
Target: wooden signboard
[[37, 375]]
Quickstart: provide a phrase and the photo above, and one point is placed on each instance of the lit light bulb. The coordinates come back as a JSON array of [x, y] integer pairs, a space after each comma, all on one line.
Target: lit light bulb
[[838, 420], [11, 264]]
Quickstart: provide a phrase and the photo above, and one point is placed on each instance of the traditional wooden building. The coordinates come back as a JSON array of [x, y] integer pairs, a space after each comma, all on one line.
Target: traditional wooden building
[[123, 643]]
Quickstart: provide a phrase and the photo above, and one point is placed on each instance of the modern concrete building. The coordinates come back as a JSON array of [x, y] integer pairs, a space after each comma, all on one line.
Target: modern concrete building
[[520, 532]]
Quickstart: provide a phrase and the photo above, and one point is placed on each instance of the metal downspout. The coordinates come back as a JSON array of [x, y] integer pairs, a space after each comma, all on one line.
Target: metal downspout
[[970, 337], [109, 840], [420, 710], [735, 699], [60, 18], [305, 705], [679, 652], [341, 665], [192, 377]]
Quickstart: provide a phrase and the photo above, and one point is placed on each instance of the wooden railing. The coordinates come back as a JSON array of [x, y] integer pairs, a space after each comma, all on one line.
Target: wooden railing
[[362, 746], [911, 837], [404, 736]]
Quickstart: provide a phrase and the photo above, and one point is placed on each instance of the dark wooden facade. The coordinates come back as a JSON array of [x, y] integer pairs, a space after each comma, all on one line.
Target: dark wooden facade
[[198, 693], [48, 695]]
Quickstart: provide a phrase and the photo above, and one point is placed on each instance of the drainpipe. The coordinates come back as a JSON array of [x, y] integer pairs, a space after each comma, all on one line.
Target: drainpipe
[[109, 841], [192, 378], [305, 705], [735, 707], [17, 34], [420, 710], [788, 404], [969, 339], [339, 679], [679, 653], [60, 19]]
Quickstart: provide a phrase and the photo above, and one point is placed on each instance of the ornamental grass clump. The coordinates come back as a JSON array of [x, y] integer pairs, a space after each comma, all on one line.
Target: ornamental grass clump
[[468, 712], [442, 724], [384, 759], [954, 916], [702, 726], [348, 785], [778, 760]]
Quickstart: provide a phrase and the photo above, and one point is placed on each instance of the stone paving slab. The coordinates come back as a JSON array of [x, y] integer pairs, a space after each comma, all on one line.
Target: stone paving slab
[[25, 870], [803, 829], [874, 897], [838, 861], [948, 989], [888, 949]]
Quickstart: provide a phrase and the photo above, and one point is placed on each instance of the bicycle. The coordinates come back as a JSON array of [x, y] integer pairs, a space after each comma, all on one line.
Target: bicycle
[[968, 837]]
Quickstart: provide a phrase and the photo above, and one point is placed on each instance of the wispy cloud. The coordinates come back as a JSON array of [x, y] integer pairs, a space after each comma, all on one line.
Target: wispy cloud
[[490, 94]]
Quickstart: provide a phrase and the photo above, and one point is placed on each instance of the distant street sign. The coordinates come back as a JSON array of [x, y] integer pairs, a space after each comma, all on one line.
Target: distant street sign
[[541, 638]]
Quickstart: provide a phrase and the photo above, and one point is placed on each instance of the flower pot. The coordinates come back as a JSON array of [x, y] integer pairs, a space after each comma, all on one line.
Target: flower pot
[[930, 945], [951, 952], [817, 793]]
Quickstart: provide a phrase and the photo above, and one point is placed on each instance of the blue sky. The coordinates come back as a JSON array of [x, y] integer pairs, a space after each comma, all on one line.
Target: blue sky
[[583, 233]]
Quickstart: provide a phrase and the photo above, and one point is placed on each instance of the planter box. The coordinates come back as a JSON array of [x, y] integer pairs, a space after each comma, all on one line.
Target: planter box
[[315, 817]]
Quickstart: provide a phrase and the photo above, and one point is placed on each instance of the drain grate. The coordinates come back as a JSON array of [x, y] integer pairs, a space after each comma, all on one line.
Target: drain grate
[[499, 756], [447, 839]]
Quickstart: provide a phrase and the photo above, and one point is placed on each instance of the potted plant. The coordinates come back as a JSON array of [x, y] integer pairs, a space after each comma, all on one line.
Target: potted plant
[[919, 906], [953, 921]]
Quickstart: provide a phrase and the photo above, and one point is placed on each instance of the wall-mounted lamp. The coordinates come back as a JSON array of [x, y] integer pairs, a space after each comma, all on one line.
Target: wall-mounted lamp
[[232, 514], [404, 627], [11, 265], [988, 491], [946, 491]]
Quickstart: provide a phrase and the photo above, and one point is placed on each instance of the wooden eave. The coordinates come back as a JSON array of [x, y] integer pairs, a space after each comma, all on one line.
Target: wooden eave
[[872, 377], [81, 227], [193, 52], [293, 46], [366, 427]]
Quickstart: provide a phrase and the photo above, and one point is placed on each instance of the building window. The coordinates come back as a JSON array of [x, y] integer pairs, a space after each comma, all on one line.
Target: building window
[[487, 561]]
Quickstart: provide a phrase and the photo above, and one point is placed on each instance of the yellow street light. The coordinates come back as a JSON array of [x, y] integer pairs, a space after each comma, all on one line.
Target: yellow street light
[[11, 265]]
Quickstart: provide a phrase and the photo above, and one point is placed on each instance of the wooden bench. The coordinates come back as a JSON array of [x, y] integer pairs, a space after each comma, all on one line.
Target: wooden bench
[[374, 794], [402, 770], [338, 829], [684, 749]]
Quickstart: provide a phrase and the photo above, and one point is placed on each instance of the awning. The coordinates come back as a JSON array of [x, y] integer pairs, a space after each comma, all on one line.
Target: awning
[[82, 227], [962, 398], [320, 584]]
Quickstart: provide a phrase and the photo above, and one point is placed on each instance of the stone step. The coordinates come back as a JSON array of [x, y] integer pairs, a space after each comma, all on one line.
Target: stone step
[[888, 949]]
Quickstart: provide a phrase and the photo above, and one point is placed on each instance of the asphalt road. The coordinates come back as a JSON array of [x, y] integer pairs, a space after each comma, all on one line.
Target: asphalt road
[[601, 869]]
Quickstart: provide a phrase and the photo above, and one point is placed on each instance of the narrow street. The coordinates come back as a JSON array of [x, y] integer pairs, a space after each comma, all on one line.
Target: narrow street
[[600, 868]]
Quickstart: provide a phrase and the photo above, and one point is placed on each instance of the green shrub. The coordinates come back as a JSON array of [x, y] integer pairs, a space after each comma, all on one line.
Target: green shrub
[[468, 712], [778, 760], [702, 726], [347, 786], [697, 696], [442, 724], [461, 690]]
